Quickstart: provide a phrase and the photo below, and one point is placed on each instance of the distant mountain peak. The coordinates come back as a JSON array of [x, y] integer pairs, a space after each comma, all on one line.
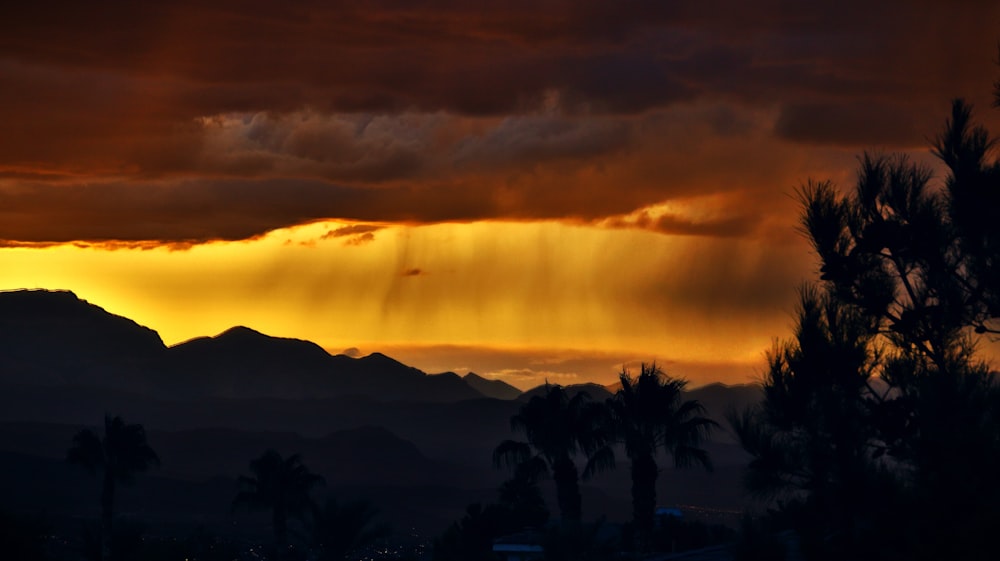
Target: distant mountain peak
[[497, 389], [53, 336], [379, 362], [241, 334], [40, 301], [244, 333], [241, 330], [596, 392], [42, 306], [379, 358], [39, 293]]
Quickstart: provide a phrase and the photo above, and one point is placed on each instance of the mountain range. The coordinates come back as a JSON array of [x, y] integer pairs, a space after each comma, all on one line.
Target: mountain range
[[417, 444], [53, 338]]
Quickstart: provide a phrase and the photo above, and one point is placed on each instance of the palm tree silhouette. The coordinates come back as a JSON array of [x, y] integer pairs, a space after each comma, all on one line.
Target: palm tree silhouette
[[649, 412], [281, 485], [556, 426], [337, 530], [523, 497], [118, 455]]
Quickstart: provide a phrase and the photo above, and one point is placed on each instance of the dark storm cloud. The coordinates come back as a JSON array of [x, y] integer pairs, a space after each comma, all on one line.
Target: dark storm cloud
[[352, 230], [855, 123], [732, 226], [197, 210], [355, 234], [542, 138], [624, 56], [136, 121], [193, 211], [727, 227]]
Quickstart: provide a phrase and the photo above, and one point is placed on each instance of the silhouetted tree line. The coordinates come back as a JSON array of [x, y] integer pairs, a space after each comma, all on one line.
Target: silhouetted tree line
[[331, 531], [648, 414], [878, 436], [879, 433]]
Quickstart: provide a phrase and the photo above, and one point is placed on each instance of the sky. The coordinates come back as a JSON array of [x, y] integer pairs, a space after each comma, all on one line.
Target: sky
[[544, 190]]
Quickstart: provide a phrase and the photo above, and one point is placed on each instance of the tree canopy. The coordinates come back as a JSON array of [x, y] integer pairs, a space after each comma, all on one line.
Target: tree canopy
[[117, 456], [880, 423]]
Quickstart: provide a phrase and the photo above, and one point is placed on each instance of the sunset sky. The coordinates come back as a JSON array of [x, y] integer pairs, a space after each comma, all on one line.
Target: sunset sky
[[528, 190]]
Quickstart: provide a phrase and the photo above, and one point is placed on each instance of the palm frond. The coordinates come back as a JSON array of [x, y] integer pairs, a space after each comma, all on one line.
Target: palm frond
[[601, 460], [511, 453], [87, 451]]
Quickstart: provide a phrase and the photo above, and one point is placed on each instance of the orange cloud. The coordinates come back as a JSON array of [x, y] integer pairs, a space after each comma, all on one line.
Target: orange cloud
[[575, 173], [356, 234], [189, 122]]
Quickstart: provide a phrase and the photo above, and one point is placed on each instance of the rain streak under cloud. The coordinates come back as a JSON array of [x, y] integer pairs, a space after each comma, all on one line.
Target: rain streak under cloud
[[615, 181]]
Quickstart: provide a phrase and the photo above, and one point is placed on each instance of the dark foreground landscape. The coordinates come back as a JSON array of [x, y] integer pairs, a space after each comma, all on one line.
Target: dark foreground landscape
[[417, 446]]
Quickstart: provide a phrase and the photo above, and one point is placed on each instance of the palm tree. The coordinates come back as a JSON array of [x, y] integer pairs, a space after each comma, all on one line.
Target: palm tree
[[523, 497], [557, 427], [341, 529], [281, 485], [119, 455], [649, 412]]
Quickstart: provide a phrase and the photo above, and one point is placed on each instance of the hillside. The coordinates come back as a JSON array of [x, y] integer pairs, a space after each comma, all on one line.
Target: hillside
[[52, 338], [419, 445]]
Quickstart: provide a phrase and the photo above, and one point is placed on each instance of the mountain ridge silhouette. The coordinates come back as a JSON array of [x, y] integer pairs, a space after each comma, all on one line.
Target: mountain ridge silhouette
[[54, 338], [496, 389]]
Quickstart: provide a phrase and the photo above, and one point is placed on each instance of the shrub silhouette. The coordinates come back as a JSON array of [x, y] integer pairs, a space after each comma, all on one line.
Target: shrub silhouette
[[338, 530]]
